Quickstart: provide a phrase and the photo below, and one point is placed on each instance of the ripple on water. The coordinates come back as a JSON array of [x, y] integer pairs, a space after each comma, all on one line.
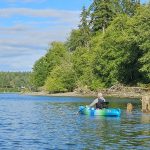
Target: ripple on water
[[31, 123]]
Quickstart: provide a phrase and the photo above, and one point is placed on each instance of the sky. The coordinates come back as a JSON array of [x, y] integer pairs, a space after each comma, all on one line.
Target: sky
[[27, 27]]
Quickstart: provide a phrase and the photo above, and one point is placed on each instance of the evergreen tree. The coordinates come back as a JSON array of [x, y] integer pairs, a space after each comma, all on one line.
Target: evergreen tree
[[129, 6], [81, 36], [121, 55], [84, 28], [74, 40], [141, 28], [102, 12]]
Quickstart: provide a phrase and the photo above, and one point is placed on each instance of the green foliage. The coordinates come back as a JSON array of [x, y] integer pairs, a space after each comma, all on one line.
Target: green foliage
[[82, 64], [129, 6], [102, 13], [44, 65], [80, 37], [40, 72], [84, 28], [61, 79], [56, 54], [121, 54], [14, 81], [74, 40], [142, 32], [123, 51]]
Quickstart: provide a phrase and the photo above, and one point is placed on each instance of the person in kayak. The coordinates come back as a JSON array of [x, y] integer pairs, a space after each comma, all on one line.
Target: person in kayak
[[98, 102]]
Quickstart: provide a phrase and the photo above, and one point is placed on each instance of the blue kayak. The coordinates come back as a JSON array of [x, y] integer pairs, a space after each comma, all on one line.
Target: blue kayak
[[99, 112]]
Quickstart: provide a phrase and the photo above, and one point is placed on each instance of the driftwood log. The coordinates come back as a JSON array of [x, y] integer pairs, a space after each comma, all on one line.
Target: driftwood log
[[146, 104]]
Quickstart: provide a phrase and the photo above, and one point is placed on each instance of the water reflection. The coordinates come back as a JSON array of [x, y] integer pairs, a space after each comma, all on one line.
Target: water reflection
[[145, 118]]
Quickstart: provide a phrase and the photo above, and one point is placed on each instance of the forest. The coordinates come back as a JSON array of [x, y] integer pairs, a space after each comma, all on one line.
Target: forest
[[15, 81], [110, 46]]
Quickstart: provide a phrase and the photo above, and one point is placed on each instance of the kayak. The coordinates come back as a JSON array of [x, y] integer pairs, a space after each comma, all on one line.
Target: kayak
[[99, 112]]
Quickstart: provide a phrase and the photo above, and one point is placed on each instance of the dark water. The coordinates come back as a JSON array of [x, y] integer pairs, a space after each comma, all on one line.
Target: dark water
[[44, 123]]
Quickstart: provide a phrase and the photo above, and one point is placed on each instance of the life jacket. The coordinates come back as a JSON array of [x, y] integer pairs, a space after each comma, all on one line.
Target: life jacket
[[99, 104]]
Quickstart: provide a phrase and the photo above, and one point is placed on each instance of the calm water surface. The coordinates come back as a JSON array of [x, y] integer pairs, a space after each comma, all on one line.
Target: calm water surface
[[44, 123]]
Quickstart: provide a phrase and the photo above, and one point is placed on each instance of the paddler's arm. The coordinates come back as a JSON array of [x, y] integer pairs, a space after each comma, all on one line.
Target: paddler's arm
[[94, 102]]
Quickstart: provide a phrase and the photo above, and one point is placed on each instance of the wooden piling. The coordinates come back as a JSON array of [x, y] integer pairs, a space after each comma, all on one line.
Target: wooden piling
[[146, 104], [129, 107]]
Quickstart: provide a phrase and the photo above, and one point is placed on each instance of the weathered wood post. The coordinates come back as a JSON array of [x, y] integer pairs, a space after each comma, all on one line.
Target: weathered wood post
[[146, 104]]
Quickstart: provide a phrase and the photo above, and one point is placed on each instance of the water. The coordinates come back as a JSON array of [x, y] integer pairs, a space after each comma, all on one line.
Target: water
[[45, 123]]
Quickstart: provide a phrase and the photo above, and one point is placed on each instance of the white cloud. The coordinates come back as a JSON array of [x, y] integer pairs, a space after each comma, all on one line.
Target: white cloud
[[25, 1], [44, 13], [23, 41], [26, 45], [25, 36]]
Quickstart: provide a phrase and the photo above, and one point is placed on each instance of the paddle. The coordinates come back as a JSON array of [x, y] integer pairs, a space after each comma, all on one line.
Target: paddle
[[81, 109]]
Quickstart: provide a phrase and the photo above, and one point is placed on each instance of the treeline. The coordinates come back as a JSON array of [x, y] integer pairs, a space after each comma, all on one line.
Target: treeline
[[111, 46], [14, 81]]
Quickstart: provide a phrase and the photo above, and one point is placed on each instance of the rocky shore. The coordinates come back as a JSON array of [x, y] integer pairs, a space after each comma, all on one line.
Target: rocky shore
[[114, 91]]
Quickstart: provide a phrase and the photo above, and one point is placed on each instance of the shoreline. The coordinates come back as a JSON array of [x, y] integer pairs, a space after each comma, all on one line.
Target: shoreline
[[66, 94], [117, 91], [75, 94]]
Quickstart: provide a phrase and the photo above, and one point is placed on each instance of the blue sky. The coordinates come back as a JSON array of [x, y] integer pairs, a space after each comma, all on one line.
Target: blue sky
[[27, 27]]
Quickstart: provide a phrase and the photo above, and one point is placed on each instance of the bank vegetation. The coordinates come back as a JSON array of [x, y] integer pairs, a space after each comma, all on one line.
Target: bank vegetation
[[110, 47]]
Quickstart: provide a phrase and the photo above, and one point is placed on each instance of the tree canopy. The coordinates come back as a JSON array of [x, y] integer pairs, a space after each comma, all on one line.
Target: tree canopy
[[111, 45]]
